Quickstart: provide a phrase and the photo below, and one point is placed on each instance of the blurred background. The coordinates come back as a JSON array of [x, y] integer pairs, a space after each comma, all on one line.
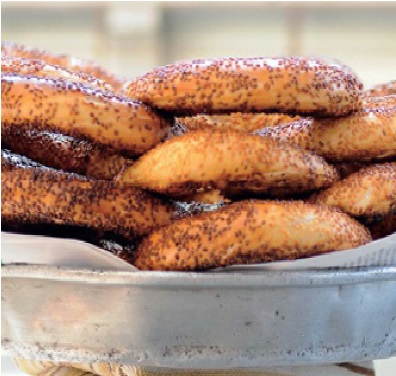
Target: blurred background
[[129, 38]]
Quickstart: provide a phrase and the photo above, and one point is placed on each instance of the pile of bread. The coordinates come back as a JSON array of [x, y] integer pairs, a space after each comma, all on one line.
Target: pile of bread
[[297, 158]]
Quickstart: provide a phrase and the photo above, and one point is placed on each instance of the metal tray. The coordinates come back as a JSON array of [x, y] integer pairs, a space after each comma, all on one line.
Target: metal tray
[[199, 320]]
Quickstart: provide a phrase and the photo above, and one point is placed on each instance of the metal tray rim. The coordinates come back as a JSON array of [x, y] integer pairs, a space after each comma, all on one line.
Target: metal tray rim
[[268, 278]]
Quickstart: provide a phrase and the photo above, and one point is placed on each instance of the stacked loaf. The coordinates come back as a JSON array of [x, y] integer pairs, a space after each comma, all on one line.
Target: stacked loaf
[[296, 157]]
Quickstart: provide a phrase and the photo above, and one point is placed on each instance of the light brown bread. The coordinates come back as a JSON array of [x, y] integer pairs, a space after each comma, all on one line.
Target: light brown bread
[[370, 191], [250, 84], [38, 68], [68, 62], [65, 153], [206, 160], [42, 195], [388, 88], [78, 110], [369, 134], [249, 232]]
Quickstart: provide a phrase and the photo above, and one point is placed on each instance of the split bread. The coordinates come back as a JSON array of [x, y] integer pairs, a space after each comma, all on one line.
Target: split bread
[[206, 160], [80, 111], [250, 84], [38, 68], [65, 61], [43, 195], [369, 134], [388, 88], [370, 191], [65, 153], [249, 232]]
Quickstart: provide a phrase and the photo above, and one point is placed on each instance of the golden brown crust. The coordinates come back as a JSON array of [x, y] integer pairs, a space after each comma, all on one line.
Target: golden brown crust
[[367, 135], [239, 121], [209, 160], [250, 84], [38, 68], [370, 191], [42, 195], [65, 153], [377, 102], [103, 165], [62, 60], [249, 232], [80, 111], [381, 90]]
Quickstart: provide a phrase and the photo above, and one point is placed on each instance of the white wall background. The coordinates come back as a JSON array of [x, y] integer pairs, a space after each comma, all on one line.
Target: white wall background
[[130, 38]]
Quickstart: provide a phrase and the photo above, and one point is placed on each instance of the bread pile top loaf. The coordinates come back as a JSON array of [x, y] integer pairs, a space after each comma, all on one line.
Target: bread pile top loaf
[[297, 157]]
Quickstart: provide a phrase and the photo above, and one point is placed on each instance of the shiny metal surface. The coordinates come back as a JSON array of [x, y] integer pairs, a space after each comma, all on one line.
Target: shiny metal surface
[[199, 320]]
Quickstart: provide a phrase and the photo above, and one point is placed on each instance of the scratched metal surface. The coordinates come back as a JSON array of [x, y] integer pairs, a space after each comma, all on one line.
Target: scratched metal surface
[[199, 320]]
